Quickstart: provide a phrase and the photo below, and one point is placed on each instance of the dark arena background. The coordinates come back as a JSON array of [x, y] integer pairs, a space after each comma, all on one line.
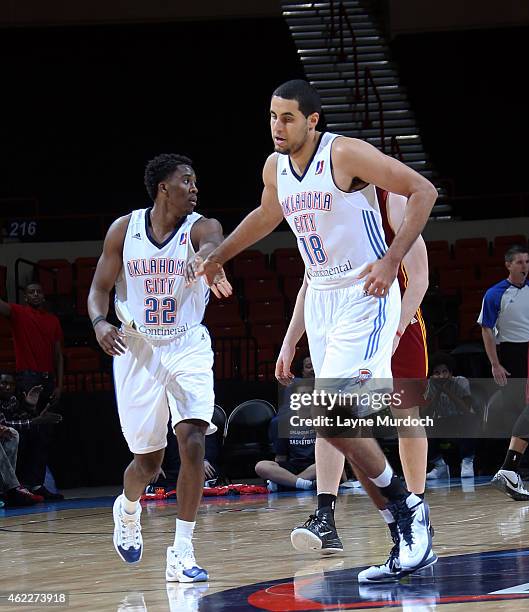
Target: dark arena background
[[94, 90]]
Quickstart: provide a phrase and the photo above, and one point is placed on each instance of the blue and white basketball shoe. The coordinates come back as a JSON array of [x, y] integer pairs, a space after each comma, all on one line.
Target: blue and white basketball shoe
[[127, 533], [182, 566]]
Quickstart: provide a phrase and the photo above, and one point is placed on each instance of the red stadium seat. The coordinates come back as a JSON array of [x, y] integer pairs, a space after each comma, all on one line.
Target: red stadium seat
[[81, 359], [59, 279], [85, 268], [268, 335], [471, 251], [223, 313], [251, 263], [266, 311], [288, 262], [502, 243], [469, 329], [291, 287], [259, 288], [454, 279], [228, 331]]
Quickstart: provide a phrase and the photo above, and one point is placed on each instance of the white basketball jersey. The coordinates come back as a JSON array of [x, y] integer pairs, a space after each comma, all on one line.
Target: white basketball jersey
[[151, 297], [338, 233]]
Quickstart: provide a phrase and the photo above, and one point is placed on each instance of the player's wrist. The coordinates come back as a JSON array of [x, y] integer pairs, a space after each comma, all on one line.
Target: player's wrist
[[98, 320]]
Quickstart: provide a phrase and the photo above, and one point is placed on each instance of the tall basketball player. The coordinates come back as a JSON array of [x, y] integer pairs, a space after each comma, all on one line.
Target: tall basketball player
[[162, 354], [324, 185], [409, 364]]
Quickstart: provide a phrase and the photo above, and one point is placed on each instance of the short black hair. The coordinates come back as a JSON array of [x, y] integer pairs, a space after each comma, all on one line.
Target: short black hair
[[160, 169], [516, 249], [441, 358], [306, 96]]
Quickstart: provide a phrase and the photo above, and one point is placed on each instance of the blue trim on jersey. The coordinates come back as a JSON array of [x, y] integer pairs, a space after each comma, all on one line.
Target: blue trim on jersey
[[160, 245], [492, 304], [374, 246], [378, 324], [314, 153], [382, 242]]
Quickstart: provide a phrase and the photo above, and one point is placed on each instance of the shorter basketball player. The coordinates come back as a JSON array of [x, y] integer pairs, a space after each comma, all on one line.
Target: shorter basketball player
[[162, 353]]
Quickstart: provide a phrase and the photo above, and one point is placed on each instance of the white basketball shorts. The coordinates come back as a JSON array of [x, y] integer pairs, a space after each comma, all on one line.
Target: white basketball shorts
[[351, 334], [154, 381]]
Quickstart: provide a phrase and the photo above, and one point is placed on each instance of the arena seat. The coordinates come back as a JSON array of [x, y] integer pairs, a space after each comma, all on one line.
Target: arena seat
[[266, 311], [288, 262], [251, 264], [261, 288], [223, 313], [502, 243], [81, 359], [59, 279], [270, 334]]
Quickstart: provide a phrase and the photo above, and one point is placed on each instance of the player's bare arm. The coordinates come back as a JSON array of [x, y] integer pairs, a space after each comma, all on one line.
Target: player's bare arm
[[256, 225], [107, 271], [296, 329], [415, 263], [358, 159], [206, 235]]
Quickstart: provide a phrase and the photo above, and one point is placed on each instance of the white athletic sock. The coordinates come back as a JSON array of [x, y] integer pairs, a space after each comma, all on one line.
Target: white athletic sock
[[383, 479], [387, 516], [303, 483], [184, 533], [130, 507]]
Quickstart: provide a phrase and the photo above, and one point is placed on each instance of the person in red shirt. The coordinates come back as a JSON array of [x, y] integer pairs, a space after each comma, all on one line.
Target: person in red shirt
[[37, 336]]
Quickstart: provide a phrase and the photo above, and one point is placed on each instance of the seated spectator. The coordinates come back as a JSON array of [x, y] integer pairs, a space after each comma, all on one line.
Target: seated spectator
[[34, 434], [294, 464], [450, 404]]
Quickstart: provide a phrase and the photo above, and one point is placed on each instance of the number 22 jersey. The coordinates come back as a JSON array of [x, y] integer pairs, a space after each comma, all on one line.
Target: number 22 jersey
[[338, 233], [151, 297]]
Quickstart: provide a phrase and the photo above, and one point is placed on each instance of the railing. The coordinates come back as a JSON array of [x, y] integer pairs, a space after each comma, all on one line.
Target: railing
[[343, 20], [395, 150], [367, 123]]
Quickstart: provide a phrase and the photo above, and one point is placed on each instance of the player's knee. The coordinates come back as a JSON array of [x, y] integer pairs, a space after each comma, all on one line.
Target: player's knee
[[521, 427], [261, 469], [192, 447], [148, 466]]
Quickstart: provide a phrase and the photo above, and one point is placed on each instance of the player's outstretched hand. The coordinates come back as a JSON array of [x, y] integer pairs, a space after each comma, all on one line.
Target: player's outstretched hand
[[110, 339], [379, 277], [215, 278], [283, 363]]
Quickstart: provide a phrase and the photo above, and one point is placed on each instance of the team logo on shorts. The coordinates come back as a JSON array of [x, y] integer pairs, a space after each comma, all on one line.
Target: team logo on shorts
[[183, 238], [364, 375]]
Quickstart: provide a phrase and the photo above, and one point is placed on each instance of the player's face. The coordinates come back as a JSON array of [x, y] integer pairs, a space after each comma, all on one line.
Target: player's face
[[34, 295], [518, 267], [290, 128], [181, 190]]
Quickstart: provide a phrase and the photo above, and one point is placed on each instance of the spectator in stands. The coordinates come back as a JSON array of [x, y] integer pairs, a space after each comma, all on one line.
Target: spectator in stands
[[33, 434], [37, 336], [450, 402], [504, 321], [294, 464]]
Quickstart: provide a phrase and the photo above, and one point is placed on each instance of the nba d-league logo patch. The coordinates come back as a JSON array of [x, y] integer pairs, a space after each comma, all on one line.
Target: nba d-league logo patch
[[319, 166], [183, 238]]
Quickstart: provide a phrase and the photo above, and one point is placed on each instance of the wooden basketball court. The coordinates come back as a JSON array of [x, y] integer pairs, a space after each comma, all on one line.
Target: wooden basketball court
[[481, 537]]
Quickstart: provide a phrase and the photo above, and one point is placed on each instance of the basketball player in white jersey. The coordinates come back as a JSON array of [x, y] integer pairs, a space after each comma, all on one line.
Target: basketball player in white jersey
[[319, 531], [162, 353], [324, 185]]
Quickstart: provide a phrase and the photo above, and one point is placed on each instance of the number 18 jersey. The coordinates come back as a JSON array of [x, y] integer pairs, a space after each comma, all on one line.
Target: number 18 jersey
[[151, 297], [338, 233]]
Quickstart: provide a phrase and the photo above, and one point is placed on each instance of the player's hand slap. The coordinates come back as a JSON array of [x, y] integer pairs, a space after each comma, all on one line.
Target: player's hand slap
[[379, 277], [215, 277], [110, 339]]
